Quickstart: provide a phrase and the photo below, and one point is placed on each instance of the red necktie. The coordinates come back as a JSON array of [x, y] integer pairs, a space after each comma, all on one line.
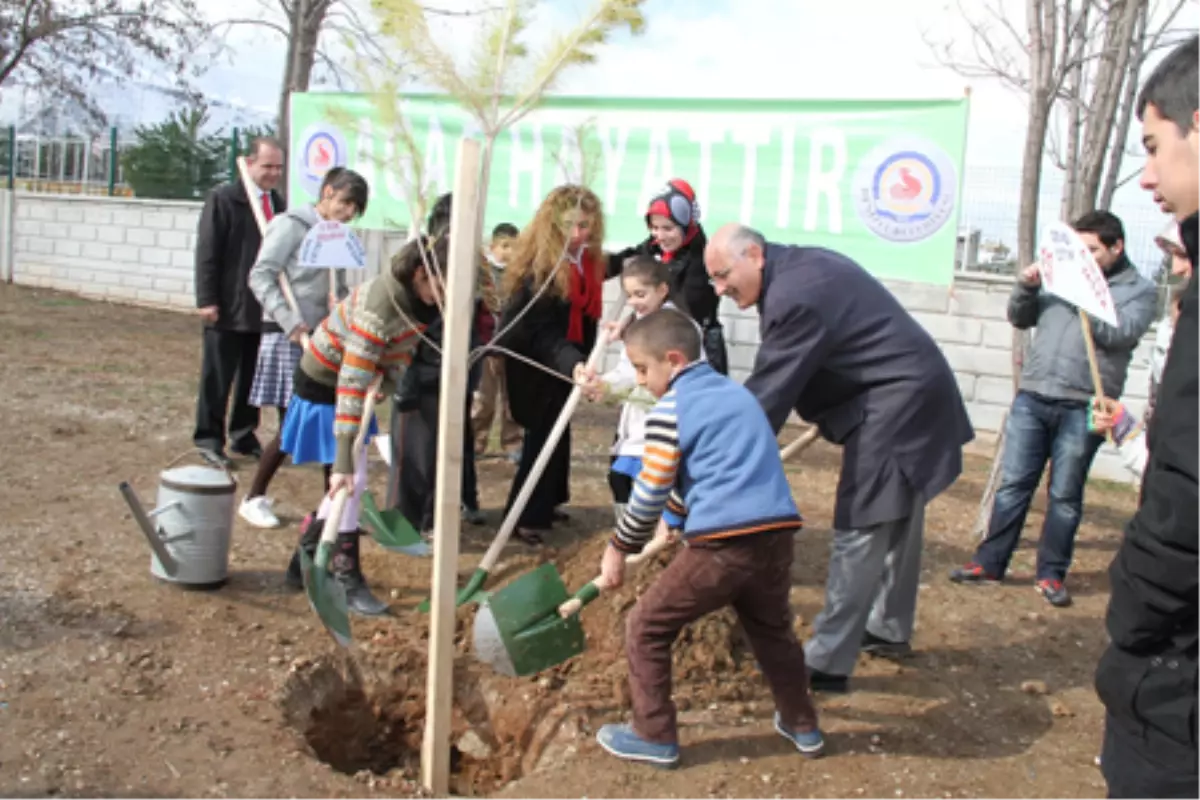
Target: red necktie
[[266, 203]]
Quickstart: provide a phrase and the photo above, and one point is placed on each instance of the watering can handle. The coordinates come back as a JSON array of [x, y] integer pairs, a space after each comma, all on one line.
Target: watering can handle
[[205, 456], [168, 562], [592, 590]]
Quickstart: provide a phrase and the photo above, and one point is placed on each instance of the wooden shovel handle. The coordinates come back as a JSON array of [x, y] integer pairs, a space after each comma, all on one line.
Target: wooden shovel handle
[[285, 285], [592, 590], [333, 521]]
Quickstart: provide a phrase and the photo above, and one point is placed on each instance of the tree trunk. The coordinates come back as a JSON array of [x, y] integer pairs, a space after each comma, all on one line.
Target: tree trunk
[[1110, 76], [1116, 153], [1074, 47], [295, 11], [1043, 33], [307, 19]]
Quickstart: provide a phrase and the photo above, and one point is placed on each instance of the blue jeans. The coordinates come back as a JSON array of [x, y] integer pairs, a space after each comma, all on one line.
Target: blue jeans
[[1038, 429]]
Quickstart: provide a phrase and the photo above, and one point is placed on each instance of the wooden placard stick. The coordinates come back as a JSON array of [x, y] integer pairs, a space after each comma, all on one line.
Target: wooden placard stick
[[1090, 345], [459, 297]]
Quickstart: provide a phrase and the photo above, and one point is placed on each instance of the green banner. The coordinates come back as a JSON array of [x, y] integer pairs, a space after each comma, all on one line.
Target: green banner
[[877, 180]]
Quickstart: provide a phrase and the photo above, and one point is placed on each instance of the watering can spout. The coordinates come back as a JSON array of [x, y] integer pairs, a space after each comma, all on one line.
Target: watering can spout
[[168, 562]]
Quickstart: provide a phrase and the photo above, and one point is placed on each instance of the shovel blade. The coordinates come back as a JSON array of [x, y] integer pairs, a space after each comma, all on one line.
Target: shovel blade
[[391, 530], [327, 598], [518, 630]]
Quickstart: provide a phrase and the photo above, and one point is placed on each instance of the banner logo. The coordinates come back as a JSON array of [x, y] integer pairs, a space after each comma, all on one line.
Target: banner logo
[[904, 189], [322, 147]]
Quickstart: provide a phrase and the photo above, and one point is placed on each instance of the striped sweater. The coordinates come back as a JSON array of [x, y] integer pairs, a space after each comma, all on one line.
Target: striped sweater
[[362, 337], [711, 460]]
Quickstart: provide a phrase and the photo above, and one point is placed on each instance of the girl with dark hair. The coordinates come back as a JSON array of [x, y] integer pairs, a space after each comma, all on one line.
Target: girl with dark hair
[[373, 332], [415, 410], [678, 240], [343, 197]]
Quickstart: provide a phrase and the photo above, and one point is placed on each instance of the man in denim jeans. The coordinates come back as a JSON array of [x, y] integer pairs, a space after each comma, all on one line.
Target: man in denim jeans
[[1048, 420]]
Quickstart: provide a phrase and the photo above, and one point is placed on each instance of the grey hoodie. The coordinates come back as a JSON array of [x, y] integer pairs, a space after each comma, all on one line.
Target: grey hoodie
[[1057, 365], [279, 253]]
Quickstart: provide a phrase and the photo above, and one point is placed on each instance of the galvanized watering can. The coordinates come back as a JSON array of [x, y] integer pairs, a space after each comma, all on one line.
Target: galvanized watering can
[[190, 527]]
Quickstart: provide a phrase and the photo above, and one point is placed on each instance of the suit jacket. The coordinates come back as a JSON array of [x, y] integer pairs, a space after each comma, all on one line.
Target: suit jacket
[[839, 349], [227, 243]]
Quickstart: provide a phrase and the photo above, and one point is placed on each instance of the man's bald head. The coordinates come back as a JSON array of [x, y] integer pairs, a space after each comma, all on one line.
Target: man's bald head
[[734, 258]]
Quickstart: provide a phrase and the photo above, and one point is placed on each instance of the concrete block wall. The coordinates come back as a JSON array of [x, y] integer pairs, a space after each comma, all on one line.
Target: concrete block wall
[[115, 249], [142, 251]]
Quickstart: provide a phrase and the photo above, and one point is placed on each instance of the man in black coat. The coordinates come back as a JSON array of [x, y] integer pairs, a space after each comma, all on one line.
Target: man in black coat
[[1147, 677], [227, 243], [840, 350]]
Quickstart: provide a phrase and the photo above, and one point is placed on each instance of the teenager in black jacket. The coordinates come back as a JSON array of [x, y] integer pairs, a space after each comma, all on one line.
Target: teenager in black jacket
[[677, 240], [1147, 677]]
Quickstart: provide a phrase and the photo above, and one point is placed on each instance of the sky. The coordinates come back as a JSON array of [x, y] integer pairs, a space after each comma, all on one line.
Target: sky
[[763, 48]]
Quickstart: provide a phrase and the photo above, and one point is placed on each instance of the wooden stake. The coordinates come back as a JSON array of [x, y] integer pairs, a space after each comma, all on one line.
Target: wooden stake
[[1090, 344], [459, 294]]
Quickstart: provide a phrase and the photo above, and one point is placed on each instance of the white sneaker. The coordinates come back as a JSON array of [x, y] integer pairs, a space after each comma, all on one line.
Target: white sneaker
[[257, 511]]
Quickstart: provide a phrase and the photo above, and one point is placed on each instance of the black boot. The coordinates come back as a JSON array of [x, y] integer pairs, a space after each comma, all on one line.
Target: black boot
[[346, 567], [308, 543]]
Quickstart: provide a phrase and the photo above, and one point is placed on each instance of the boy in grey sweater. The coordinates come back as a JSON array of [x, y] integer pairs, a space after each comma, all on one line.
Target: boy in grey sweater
[[1049, 416]]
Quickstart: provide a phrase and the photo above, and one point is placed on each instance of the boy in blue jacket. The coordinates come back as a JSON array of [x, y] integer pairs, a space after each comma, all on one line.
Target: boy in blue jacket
[[712, 465]]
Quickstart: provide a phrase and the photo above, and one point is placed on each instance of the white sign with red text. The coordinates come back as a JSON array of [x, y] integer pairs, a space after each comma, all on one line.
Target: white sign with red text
[[332, 245], [1070, 271]]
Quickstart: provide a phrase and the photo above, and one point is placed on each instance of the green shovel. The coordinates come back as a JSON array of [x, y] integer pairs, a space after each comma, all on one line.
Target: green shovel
[[391, 530], [473, 592], [532, 624], [325, 594]]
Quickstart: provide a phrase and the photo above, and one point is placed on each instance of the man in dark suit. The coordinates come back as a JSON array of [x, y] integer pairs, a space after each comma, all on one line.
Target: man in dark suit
[[840, 350], [227, 245], [1147, 677]]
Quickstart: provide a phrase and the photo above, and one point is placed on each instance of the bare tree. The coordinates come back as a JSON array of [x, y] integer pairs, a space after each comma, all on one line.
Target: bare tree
[[63, 47], [1144, 43], [1076, 56]]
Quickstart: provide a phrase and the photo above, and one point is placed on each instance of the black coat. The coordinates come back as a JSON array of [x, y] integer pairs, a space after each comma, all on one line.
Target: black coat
[[690, 289], [534, 397], [227, 243], [1147, 678], [839, 348]]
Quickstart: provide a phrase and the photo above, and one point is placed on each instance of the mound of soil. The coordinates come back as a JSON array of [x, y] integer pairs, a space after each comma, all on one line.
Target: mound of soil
[[364, 711]]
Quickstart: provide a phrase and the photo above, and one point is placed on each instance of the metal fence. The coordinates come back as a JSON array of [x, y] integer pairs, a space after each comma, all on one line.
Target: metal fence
[[81, 165]]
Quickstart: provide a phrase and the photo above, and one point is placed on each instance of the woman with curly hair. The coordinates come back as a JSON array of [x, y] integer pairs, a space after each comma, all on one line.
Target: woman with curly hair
[[555, 286]]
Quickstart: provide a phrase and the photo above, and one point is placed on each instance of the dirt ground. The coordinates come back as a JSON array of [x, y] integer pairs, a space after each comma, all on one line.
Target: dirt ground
[[115, 684]]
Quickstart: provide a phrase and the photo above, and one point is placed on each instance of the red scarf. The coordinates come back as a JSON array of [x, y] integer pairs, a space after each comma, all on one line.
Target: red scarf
[[586, 294], [668, 255]]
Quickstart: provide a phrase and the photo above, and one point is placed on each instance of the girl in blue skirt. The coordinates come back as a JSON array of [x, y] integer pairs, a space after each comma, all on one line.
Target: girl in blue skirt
[[373, 332]]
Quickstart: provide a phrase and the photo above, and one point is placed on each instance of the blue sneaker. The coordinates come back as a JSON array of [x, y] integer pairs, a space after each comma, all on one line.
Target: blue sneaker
[[811, 744], [622, 742]]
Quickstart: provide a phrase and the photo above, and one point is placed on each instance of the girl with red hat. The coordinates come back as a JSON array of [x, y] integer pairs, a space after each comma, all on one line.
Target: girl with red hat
[[676, 239]]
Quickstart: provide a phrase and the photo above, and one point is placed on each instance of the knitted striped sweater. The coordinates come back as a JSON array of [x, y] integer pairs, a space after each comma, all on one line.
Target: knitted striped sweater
[[362, 337], [711, 461]]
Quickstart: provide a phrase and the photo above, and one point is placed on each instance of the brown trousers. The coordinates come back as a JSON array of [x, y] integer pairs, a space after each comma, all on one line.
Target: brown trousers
[[490, 397], [752, 573]]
